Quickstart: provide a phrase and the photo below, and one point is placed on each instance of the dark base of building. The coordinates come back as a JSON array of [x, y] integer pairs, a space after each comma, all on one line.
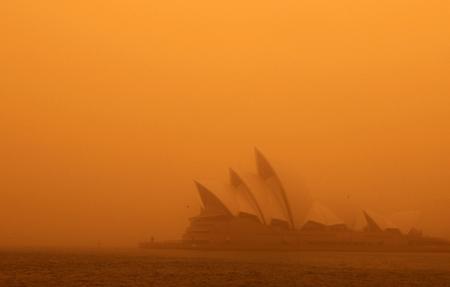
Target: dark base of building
[[311, 246], [244, 233]]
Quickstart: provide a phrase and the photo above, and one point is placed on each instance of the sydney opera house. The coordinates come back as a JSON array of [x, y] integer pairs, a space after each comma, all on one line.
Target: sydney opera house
[[270, 209]]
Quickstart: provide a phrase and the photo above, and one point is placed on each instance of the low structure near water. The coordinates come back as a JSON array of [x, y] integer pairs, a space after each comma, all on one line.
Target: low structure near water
[[270, 209]]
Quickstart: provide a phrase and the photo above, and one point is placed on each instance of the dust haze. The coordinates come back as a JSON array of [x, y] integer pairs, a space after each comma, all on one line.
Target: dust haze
[[110, 109]]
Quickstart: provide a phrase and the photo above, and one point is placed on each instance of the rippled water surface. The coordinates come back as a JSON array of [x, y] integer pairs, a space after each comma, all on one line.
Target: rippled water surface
[[213, 268]]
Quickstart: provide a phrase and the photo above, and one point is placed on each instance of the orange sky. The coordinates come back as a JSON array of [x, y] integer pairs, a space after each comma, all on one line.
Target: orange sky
[[108, 109]]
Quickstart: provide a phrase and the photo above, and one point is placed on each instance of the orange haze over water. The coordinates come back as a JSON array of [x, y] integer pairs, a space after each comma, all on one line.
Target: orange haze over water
[[109, 109]]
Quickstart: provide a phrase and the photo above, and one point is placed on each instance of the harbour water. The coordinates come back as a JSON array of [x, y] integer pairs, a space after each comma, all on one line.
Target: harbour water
[[51, 267]]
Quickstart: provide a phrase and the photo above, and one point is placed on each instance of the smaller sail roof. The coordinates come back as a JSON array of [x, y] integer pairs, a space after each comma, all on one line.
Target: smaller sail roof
[[406, 220], [212, 192], [212, 205], [320, 214], [369, 220]]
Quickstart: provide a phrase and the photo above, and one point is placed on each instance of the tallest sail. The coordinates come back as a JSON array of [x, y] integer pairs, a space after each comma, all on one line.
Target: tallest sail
[[267, 173]]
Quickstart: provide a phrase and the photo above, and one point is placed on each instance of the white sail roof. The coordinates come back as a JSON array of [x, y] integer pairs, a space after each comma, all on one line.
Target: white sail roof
[[264, 197], [271, 195], [235, 199], [267, 173], [245, 199], [289, 191], [222, 192], [212, 205]]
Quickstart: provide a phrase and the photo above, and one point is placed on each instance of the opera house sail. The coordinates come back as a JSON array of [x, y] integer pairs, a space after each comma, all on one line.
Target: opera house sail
[[270, 209]]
